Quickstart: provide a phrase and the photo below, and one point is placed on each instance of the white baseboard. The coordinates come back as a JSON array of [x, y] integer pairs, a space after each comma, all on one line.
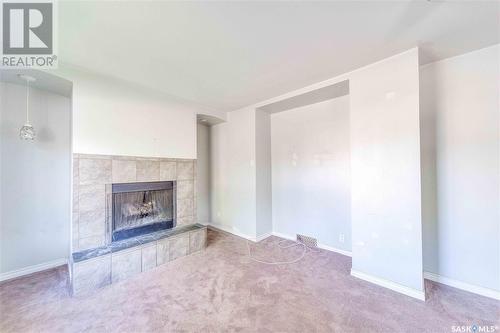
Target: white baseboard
[[235, 232], [321, 246], [495, 294], [334, 249], [418, 294], [33, 269], [262, 237], [285, 236], [231, 230]]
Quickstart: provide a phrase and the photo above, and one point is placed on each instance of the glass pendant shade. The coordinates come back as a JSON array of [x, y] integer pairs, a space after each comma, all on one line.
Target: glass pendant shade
[[27, 132]]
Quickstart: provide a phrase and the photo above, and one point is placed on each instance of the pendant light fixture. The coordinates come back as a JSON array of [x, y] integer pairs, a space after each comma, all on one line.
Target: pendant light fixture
[[27, 132]]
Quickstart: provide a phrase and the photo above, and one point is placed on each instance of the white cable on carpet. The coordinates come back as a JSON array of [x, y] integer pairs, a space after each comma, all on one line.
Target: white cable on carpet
[[304, 246]]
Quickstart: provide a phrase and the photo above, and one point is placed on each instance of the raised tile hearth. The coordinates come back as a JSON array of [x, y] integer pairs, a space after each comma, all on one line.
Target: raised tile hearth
[[96, 268], [130, 214]]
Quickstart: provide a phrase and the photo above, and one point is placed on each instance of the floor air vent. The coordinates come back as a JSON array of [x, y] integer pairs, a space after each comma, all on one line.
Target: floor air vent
[[307, 241]]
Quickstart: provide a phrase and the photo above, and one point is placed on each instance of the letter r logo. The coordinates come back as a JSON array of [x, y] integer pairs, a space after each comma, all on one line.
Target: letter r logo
[[27, 28]]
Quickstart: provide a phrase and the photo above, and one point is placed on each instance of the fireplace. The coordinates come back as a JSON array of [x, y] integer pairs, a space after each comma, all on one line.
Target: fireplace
[[141, 208]]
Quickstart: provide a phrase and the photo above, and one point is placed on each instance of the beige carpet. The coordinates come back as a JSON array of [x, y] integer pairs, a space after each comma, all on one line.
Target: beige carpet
[[220, 289]]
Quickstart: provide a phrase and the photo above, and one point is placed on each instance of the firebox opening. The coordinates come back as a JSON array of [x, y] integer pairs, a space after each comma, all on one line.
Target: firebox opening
[[142, 208]]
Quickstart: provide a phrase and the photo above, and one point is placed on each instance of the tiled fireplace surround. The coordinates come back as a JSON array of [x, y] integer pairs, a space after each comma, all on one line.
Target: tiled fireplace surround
[[92, 175]]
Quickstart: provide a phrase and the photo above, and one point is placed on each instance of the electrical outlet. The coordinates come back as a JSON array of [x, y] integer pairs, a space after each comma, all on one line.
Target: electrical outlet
[[341, 238]]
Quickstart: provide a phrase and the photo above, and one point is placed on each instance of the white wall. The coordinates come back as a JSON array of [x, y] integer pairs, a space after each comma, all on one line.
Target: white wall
[[203, 174], [385, 172], [458, 198], [34, 178], [117, 118], [241, 174], [460, 167], [233, 173], [311, 172], [264, 219]]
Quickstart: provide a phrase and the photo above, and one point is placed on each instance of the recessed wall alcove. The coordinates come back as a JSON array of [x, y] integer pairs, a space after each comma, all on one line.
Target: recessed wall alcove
[[310, 165], [35, 174]]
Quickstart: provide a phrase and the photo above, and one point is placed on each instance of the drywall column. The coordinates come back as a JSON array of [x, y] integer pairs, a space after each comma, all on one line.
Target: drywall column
[[385, 173], [233, 176], [264, 218], [203, 174], [460, 175], [241, 174]]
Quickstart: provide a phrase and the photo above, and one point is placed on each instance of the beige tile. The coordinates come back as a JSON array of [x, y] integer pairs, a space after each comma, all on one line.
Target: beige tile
[[92, 224], [91, 274], [74, 228], [75, 198], [145, 158], [109, 204], [127, 158], [123, 171], [168, 170], [197, 240], [185, 170], [185, 189], [74, 244], [95, 156], [148, 170], [179, 246], [162, 252], [149, 257], [195, 187], [185, 207], [125, 264], [75, 167], [94, 171], [85, 243], [185, 220], [92, 198], [92, 211]]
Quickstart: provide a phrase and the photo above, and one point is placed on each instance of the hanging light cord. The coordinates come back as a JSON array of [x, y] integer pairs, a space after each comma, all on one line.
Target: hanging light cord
[[27, 101]]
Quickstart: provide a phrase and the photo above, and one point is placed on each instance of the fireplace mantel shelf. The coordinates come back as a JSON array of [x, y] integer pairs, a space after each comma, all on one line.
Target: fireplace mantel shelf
[[132, 242]]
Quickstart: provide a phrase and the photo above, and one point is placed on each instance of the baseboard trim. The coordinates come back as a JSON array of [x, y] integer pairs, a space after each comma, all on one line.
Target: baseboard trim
[[334, 249], [264, 236], [418, 294], [285, 236], [491, 293], [321, 246], [32, 269], [232, 231]]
